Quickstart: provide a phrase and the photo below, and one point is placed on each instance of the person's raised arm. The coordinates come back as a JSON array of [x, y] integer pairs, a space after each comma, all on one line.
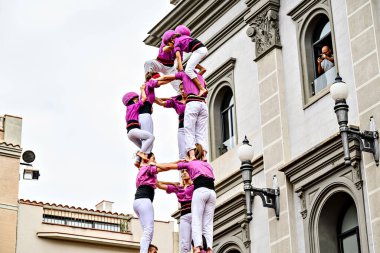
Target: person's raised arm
[[179, 60], [161, 185], [165, 166], [159, 101], [170, 183], [166, 78], [169, 47], [143, 94], [330, 58]]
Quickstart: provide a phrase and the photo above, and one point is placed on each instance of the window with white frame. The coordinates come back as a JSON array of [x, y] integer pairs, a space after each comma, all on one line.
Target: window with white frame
[[318, 63], [221, 104], [227, 122]]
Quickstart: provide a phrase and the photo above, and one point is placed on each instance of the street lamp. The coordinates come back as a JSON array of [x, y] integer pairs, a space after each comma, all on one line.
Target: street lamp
[[29, 172], [270, 197], [369, 140]]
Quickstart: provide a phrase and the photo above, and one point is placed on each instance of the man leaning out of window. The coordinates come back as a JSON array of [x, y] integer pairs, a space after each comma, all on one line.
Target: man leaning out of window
[[325, 60]]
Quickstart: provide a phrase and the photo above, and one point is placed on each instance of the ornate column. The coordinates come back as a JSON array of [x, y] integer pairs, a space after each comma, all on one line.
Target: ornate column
[[263, 24], [263, 21]]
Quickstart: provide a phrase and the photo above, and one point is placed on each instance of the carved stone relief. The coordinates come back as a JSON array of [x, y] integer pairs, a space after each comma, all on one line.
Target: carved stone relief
[[303, 212], [245, 233], [263, 26], [264, 32]]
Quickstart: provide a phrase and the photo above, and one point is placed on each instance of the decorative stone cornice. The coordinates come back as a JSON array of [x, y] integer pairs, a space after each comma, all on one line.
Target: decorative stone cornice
[[10, 150], [235, 179], [223, 70], [197, 15], [229, 215], [320, 161], [263, 21]]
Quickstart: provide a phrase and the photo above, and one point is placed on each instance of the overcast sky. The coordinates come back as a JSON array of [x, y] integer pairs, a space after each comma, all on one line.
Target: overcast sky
[[64, 66]]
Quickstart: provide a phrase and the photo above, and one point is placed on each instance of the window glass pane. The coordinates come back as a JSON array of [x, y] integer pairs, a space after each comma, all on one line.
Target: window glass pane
[[226, 125], [350, 244], [326, 30], [350, 219]]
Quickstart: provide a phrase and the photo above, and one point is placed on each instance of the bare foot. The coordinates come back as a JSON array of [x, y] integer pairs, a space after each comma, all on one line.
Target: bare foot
[[142, 155], [196, 250], [209, 250], [203, 92]]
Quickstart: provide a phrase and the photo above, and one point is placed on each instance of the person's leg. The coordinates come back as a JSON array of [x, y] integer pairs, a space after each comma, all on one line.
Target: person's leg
[[185, 233], [153, 66], [144, 210], [201, 134], [146, 123], [147, 141], [133, 136], [190, 119], [181, 143], [208, 217], [196, 57], [197, 209]]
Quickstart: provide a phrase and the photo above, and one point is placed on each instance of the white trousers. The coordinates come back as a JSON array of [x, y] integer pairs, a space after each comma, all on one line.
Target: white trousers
[[144, 210], [185, 233], [196, 57], [202, 209], [181, 143], [195, 123], [156, 66], [142, 139], [146, 124]]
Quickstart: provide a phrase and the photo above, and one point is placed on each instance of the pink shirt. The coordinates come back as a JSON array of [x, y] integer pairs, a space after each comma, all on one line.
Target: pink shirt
[[183, 194], [133, 111], [176, 105], [147, 176], [182, 43], [149, 90], [188, 85], [166, 57], [197, 168]]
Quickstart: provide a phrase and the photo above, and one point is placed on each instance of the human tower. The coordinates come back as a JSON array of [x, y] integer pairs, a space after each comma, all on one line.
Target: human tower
[[195, 193]]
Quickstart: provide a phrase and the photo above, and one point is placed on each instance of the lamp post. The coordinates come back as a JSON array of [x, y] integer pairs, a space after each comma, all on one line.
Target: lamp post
[[29, 172], [369, 140], [269, 196]]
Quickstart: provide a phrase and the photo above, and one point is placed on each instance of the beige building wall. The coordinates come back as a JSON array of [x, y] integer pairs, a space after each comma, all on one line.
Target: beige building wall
[[362, 16], [33, 232], [10, 152]]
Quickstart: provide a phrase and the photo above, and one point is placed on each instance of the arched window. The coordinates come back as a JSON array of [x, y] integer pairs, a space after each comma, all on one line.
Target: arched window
[[348, 233], [338, 229], [323, 55], [227, 123], [225, 112], [316, 46], [221, 104]]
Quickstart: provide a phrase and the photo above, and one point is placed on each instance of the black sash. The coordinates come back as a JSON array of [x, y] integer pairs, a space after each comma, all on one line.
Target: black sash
[[203, 181], [181, 117], [185, 207], [146, 108], [192, 97], [131, 124], [145, 192], [194, 45]]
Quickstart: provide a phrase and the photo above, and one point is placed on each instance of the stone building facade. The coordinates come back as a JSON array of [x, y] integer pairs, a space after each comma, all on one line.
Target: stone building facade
[[264, 83], [31, 226], [10, 153], [49, 227]]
